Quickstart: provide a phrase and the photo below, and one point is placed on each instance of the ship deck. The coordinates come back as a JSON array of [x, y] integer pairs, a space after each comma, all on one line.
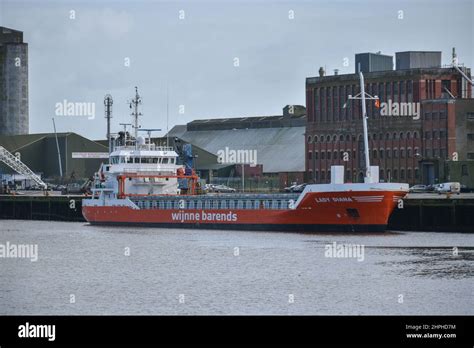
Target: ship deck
[[218, 201]]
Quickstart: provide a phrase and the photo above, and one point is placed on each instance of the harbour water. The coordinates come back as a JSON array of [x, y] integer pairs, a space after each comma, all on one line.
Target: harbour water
[[83, 269]]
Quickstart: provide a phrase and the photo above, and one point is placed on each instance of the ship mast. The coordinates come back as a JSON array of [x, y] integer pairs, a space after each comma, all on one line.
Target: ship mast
[[135, 102], [366, 135], [363, 96]]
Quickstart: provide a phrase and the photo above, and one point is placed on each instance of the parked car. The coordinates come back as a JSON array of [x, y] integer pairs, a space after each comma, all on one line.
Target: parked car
[[299, 188], [290, 188], [448, 187], [59, 187], [223, 189], [218, 188], [419, 189], [73, 188]]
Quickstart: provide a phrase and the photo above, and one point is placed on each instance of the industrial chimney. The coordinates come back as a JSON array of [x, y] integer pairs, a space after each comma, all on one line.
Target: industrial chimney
[[321, 72]]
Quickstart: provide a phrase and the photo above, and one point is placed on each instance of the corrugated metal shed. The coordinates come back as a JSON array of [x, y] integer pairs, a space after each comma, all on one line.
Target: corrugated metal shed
[[370, 62], [417, 59], [38, 151], [278, 149]]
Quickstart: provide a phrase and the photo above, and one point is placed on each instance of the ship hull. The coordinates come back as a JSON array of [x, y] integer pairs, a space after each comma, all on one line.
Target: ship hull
[[256, 227], [318, 212]]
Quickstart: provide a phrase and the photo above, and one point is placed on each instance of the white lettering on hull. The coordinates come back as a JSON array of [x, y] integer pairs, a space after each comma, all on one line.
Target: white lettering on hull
[[183, 216]]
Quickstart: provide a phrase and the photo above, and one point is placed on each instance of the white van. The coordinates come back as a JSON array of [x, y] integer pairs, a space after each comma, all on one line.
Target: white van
[[448, 187]]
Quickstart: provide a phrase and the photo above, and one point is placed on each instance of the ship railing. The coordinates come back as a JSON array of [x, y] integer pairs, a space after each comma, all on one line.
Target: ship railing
[[215, 204], [147, 171], [146, 147]]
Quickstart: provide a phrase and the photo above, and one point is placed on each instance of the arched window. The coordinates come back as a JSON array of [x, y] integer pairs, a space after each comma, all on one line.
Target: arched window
[[374, 136], [401, 135], [359, 137], [394, 136], [381, 153], [409, 173], [341, 137], [387, 136], [315, 138], [389, 175], [382, 177], [335, 155], [334, 138], [402, 174], [408, 135], [328, 138], [402, 153], [395, 153], [348, 137], [409, 154], [415, 135], [388, 152], [310, 139], [322, 138], [374, 153], [395, 174]]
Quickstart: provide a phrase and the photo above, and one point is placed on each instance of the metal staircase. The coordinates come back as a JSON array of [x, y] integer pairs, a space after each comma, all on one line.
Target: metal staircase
[[18, 166]]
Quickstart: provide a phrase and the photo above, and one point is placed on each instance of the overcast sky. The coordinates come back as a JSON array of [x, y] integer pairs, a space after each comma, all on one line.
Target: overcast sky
[[81, 59]]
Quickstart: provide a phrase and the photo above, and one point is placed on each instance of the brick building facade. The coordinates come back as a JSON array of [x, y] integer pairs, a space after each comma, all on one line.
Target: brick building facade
[[406, 146]]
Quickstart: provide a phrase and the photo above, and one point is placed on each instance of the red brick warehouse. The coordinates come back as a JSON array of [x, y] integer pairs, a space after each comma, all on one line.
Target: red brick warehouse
[[410, 144]]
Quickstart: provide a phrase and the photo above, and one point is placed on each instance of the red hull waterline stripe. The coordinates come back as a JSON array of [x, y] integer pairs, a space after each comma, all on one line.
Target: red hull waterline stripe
[[254, 227]]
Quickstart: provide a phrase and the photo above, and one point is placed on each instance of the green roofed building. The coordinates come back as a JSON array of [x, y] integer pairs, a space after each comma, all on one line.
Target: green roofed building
[[80, 157]]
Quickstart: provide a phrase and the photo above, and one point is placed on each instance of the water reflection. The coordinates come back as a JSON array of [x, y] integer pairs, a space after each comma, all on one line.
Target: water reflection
[[432, 262]]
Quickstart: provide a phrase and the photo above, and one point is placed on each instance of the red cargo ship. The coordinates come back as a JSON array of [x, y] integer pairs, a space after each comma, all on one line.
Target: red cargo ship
[[144, 185]]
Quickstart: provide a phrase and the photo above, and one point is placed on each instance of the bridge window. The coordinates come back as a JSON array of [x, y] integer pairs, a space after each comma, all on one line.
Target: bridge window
[[165, 160]]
